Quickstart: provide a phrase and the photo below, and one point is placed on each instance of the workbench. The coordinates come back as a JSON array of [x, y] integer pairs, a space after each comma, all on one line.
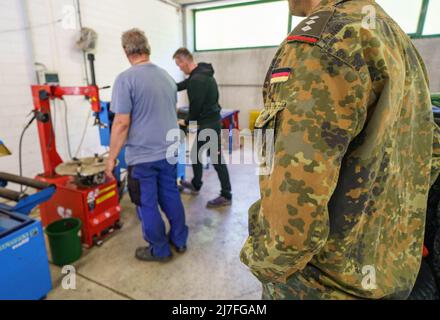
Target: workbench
[[229, 119]]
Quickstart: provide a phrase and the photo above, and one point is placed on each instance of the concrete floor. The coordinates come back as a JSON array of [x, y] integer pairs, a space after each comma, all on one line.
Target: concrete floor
[[210, 269]]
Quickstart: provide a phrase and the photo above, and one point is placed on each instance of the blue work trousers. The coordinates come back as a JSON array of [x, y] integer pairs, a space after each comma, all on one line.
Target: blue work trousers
[[152, 185]]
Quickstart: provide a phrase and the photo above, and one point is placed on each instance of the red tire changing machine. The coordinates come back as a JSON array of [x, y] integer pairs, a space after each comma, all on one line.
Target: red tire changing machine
[[96, 205]]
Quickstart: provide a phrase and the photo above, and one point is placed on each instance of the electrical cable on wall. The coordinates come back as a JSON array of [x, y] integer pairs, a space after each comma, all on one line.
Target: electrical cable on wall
[[20, 149], [83, 134], [66, 123], [78, 5], [54, 120], [51, 137]]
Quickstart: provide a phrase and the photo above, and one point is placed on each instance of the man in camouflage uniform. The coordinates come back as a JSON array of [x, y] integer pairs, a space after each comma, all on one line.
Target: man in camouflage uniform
[[342, 212]]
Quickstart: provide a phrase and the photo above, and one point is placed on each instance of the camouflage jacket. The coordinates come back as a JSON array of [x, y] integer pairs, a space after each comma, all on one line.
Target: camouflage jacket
[[342, 211]]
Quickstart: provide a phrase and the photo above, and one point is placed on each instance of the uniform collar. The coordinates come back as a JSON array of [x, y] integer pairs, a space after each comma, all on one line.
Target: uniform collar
[[330, 4], [334, 2]]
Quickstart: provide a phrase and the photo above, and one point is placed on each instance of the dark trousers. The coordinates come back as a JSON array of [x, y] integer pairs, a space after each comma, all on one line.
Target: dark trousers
[[216, 159], [152, 184]]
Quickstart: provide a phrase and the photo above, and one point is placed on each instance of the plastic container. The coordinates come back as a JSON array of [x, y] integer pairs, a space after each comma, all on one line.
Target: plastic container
[[253, 115], [65, 241]]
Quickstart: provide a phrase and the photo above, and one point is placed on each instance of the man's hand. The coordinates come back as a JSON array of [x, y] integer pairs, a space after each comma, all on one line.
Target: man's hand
[[110, 166], [181, 123]]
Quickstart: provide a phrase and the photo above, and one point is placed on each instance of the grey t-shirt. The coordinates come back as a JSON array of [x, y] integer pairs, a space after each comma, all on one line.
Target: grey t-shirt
[[149, 95]]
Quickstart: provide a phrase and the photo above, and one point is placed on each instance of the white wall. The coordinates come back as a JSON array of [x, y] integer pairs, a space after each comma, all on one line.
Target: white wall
[[53, 44], [240, 75], [430, 52]]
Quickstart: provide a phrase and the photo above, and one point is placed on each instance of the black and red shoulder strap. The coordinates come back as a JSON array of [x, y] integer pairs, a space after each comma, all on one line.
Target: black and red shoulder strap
[[311, 28]]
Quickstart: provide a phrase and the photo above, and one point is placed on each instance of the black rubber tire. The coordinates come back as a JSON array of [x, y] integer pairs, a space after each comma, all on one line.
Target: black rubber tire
[[426, 286]]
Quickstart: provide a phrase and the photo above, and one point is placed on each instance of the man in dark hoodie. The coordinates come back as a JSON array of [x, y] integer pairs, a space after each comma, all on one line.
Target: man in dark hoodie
[[204, 109]]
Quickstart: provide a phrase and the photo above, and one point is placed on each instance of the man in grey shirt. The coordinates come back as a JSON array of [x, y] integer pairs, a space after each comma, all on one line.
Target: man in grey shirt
[[144, 101]]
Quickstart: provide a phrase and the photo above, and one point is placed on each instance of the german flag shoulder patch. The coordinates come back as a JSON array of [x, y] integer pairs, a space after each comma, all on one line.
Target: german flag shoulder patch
[[311, 28], [280, 75]]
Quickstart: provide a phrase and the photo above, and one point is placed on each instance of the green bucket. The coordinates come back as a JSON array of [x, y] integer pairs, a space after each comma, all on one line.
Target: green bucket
[[65, 241]]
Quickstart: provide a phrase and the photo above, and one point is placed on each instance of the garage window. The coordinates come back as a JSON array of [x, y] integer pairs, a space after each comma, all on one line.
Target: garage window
[[246, 25], [418, 18], [432, 22], [265, 23], [405, 12]]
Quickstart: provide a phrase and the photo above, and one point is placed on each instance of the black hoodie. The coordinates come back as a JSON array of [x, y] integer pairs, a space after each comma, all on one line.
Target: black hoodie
[[203, 95]]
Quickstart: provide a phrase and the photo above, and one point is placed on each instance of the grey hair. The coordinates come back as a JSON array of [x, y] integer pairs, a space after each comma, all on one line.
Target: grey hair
[[134, 41]]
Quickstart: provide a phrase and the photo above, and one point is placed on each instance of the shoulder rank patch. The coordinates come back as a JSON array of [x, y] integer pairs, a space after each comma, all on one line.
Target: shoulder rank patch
[[280, 75], [311, 28]]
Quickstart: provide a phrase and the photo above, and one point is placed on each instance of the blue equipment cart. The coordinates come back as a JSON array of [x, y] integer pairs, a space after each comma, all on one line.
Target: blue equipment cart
[[24, 265]]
